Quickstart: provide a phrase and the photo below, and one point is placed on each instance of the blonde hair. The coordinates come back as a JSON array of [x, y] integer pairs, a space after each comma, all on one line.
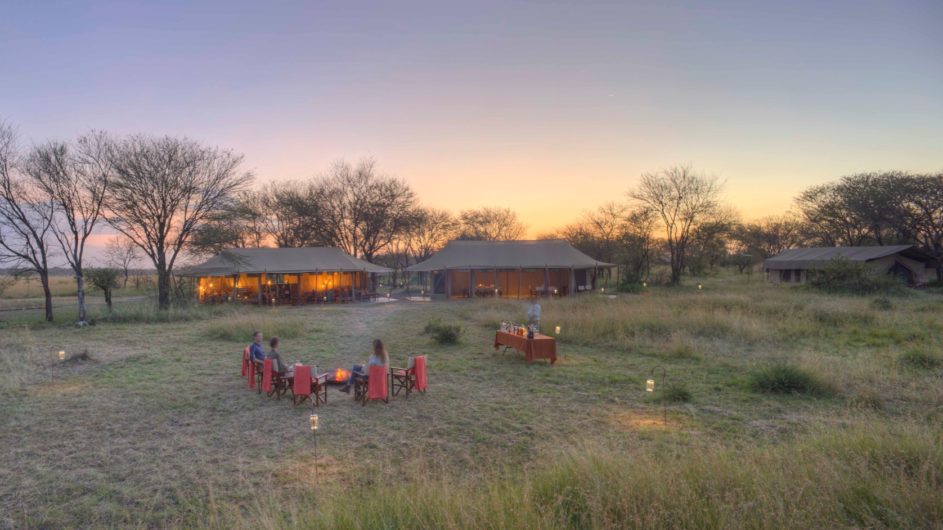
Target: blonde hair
[[380, 351]]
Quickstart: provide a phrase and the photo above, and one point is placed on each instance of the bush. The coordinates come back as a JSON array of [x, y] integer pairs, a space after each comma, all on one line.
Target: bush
[[786, 379], [843, 276], [882, 304], [442, 333], [675, 393], [633, 288], [920, 359]]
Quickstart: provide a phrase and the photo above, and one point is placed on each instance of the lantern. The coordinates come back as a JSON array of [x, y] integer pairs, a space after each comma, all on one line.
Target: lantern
[[699, 287], [644, 284], [556, 330], [61, 355], [313, 420], [650, 385], [603, 289]]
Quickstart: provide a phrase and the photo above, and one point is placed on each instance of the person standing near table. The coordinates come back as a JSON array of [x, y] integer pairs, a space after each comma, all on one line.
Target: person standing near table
[[533, 314]]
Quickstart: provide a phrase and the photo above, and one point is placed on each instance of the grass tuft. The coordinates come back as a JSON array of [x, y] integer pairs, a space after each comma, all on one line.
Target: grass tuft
[[788, 379], [920, 359]]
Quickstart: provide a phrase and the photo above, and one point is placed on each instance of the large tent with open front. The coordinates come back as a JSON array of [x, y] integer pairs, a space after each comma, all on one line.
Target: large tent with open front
[[513, 269], [285, 276]]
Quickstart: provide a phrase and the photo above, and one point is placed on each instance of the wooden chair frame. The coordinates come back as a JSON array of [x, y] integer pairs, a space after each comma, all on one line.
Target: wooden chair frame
[[318, 395], [403, 379]]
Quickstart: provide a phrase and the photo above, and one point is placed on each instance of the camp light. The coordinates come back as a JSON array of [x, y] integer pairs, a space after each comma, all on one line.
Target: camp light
[[603, 289], [644, 284], [61, 355], [650, 385], [556, 330], [313, 421], [699, 287]]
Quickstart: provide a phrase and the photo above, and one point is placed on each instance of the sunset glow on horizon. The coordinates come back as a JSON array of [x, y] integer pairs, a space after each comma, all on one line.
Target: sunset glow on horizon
[[546, 108]]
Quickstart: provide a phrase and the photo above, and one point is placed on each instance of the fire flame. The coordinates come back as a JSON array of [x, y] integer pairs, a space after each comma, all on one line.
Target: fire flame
[[341, 375]]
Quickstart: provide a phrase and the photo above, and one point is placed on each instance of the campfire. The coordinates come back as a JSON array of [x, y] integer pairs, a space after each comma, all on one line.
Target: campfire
[[338, 376]]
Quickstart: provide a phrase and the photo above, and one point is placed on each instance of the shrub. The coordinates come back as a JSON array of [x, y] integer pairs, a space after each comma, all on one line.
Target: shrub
[[882, 304], [920, 359], [675, 393], [787, 379], [632, 287], [441, 332], [843, 276]]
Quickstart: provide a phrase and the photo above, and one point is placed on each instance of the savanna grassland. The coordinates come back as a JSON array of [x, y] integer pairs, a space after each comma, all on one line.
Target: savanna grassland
[[786, 408]]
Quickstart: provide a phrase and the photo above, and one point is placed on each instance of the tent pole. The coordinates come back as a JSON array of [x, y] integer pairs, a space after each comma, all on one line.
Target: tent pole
[[520, 281], [546, 281], [471, 282], [260, 289], [448, 285], [496, 286]]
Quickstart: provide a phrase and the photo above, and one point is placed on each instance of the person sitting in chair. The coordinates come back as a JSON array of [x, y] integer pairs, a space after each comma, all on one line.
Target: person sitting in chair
[[379, 358], [256, 352], [278, 365]]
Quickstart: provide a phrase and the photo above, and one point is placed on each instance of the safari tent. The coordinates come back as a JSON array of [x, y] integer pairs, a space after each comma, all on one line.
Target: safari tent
[[798, 264], [513, 269], [285, 276]]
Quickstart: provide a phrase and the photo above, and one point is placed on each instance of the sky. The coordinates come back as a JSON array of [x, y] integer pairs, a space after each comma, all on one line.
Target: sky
[[549, 108]]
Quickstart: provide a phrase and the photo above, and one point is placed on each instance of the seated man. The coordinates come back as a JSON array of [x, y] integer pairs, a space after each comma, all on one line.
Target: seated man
[[278, 365], [256, 352]]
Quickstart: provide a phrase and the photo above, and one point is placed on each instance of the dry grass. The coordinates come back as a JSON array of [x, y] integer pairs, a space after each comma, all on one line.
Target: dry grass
[[159, 430]]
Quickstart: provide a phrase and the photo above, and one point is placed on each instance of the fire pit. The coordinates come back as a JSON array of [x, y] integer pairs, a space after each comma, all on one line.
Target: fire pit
[[338, 377]]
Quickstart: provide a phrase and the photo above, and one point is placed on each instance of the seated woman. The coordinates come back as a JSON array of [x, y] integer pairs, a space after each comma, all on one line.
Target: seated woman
[[378, 358], [278, 365]]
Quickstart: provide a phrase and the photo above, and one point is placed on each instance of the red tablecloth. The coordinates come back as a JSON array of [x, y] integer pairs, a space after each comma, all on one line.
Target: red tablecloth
[[539, 347]]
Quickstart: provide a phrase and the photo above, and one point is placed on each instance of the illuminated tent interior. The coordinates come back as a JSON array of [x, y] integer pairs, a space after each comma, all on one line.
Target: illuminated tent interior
[[269, 276], [511, 269]]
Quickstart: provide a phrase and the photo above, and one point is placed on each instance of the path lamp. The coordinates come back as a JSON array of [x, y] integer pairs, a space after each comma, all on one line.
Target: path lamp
[[61, 355], [556, 330], [313, 422], [650, 388], [700, 287], [644, 284]]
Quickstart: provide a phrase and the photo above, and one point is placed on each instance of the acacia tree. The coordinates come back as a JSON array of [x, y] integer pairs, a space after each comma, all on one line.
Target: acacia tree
[[490, 224], [75, 180], [925, 214], [362, 212], [680, 198], [26, 217], [163, 189], [121, 253], [431, 231], [769, 236]]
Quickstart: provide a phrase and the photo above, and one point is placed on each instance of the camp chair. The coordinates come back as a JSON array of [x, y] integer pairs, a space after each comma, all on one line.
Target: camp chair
[[305, 385], [273, 383], [374, 386], [245, 362], [413, 377]]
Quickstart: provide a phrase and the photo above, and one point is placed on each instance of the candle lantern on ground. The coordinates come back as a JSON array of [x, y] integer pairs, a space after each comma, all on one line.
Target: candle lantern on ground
[[650, 388], [61, 355]]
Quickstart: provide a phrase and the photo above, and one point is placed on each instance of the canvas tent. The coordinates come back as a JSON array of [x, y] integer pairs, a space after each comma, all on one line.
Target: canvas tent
[[796, 265], [284, 275], [515, 269]]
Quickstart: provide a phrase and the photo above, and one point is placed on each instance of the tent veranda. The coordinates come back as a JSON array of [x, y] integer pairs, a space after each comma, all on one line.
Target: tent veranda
[[512, 269], [285, 276]]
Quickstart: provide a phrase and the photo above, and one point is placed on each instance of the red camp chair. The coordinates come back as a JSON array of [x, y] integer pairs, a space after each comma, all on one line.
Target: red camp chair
[[411, 378], [305, 386], [245, 362], [375, 387], [273, 383]]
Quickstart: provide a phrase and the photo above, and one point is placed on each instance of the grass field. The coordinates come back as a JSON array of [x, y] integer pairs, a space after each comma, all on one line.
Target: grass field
[[786, 409]]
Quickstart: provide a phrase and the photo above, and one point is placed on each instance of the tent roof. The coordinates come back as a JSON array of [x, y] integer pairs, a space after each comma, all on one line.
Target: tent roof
[[809, 258], [551, 253], [282, 260]]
